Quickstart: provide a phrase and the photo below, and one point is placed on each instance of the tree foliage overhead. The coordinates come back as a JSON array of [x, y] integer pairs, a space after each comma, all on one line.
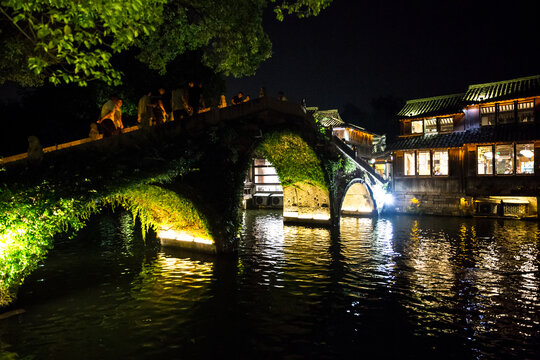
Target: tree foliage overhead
[[73, 41], [66, 41]]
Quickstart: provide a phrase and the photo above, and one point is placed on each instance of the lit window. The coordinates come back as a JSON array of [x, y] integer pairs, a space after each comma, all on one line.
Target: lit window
[[381, 169], [268, 188], [274, 179], [504, 159], [424, 163], [485, 160], [267, 170], [265, 174], [447, 124], [526, 112], [440, 162], [524, 159], [417, 127], [506, 114], [430, 126], [487, 115], [410, 162], [261, 162]]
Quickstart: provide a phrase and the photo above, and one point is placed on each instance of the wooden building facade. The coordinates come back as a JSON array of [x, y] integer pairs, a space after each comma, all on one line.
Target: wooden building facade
[[357, 138], [475, 153]]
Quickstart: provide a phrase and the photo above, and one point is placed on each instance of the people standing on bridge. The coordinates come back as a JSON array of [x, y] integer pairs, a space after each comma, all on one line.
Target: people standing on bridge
[[262, 92], [179, 106], [110, 118], [194, 97], [145, 111], [162, 106], [303, 104], [159, 112], [222, 101], [202, 103], [238, 99]]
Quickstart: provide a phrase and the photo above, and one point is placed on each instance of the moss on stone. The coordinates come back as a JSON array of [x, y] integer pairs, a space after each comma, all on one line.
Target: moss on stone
[[294, 160]]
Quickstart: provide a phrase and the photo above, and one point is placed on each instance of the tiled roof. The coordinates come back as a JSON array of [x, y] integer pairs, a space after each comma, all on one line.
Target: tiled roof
[[507, 132], [454, 139], [501, 90], [485, 134], [328, 118], [433, 106], [312, 110]]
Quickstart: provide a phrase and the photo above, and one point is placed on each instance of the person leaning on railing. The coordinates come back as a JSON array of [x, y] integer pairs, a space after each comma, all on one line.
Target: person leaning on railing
[[111, 117]]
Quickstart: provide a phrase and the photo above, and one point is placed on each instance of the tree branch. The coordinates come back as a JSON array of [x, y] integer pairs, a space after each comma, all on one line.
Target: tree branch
[[17, 26]]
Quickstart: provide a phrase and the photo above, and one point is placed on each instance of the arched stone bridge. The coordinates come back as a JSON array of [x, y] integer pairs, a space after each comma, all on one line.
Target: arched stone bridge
[[185, 180]]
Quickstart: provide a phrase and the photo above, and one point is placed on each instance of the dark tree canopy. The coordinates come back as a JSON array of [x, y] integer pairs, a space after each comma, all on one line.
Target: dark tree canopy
[[66, 41]]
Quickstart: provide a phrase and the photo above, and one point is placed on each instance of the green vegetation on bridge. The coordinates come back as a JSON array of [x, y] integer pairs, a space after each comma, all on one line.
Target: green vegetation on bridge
[[32, 213], [294, 160], [169, 179]]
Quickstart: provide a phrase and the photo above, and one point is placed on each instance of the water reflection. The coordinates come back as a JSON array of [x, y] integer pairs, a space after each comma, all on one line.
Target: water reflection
[[470, 283], [379, 287]]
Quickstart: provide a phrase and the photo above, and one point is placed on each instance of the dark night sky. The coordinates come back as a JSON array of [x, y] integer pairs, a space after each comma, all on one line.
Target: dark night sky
[[359, 50]]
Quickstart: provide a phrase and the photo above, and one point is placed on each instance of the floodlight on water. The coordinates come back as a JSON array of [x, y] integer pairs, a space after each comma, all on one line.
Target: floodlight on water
[[182, 236]]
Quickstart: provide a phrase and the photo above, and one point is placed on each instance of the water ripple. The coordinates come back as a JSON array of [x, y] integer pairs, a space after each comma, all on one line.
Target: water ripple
[[399, 286]]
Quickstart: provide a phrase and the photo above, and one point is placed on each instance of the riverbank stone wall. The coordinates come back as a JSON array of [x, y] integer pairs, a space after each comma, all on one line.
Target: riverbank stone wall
[[433, 204]]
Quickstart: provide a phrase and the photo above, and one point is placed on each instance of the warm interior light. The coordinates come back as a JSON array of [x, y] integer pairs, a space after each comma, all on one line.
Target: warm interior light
[[321, 217], [488, 155], [527, 153], [290, 214]]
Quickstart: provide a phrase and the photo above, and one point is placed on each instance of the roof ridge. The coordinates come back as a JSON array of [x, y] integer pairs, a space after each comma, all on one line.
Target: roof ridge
[[440, 97], [328, 110], [474, 86]]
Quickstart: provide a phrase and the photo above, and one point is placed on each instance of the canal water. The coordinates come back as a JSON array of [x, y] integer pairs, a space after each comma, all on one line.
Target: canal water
[[388, 287]]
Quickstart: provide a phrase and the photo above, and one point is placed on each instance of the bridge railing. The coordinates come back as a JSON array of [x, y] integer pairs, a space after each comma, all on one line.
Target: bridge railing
[[361, 162], [48, 149], [210, 115]]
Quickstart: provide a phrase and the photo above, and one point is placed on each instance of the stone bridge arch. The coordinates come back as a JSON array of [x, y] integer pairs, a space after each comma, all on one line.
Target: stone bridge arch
[[306, 195], [358, 186], [358, 199], [198, 170], [27, 232], [172, 215]]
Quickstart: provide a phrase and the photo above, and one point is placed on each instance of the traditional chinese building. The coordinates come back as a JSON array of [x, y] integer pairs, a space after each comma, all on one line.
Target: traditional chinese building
[[357, 138], [474, 153]]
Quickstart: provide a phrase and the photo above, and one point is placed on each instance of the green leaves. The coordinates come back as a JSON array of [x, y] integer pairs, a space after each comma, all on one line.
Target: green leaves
[[70, 36], [32, 213], [29, 219], [294, 160], [60, 38], [302, 8]]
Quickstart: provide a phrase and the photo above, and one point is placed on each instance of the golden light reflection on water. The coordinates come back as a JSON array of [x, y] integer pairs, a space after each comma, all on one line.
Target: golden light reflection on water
[[162, 276], [307, 238], [478, 269], [367, 237], [428, 254], [468, 284]]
